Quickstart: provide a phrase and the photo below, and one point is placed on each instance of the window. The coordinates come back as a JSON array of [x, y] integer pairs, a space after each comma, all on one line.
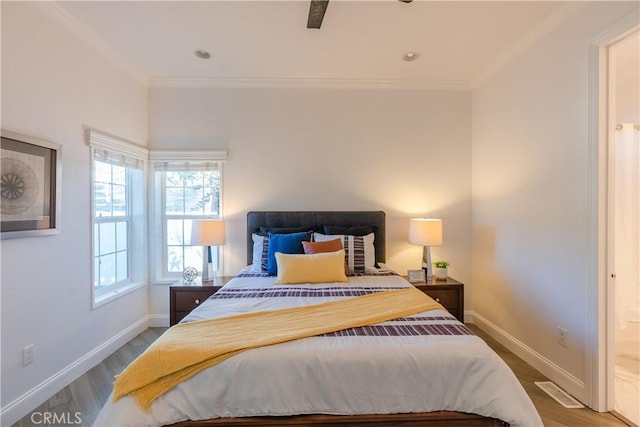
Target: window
[[185, 189], [118, 217], [188, 196], [111, 224]]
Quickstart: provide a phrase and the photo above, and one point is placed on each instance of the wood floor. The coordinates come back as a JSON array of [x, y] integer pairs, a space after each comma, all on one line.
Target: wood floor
[[552, 413], [88, 393]]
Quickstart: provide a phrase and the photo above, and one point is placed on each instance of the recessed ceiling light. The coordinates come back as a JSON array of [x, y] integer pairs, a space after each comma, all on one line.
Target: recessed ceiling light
[[202, 54], [410, 56]]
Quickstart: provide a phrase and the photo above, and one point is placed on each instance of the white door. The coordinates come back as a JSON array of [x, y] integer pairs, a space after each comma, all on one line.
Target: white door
[[624, 226]]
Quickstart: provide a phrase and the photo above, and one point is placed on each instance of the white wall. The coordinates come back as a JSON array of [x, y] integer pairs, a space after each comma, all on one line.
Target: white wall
[[52, 85], [405, 152], [530, 195]]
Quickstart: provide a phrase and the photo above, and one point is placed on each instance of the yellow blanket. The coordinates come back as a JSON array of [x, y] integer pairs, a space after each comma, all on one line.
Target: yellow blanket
[[186, 349]]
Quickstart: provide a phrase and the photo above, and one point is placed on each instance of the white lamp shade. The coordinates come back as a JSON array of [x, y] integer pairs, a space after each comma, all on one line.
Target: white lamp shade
[[425, 231], [207, 232]]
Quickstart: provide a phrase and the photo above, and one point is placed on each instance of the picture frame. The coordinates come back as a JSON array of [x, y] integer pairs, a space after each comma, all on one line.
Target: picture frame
[[416, 276], [30, 178]]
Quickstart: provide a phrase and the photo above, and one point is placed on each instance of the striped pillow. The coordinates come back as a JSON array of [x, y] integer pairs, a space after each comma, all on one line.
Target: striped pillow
[[260, 253], [359, 251]]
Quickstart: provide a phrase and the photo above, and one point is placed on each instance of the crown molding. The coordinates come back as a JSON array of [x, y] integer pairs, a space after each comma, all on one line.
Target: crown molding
[[620, 30], [541, 30], [305, 83], [88, 36]]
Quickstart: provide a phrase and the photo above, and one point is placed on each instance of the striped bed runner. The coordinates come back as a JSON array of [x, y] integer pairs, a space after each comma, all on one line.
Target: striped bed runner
[[402, 326], [247, 273], [284, 291], [406, 330]]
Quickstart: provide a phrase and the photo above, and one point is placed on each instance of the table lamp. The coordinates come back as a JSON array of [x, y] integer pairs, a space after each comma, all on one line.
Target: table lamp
[[426, 232], [207, 232]]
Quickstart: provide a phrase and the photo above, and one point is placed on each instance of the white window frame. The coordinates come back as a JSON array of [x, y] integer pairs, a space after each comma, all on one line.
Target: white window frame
[[109, 149], [169, 160], [114, 219]]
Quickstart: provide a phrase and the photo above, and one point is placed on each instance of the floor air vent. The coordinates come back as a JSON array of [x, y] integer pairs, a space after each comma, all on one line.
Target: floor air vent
[[559, 395]]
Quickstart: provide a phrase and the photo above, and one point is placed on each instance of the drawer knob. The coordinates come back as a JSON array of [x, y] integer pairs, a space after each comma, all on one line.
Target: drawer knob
[[437, 299], [197, 301]]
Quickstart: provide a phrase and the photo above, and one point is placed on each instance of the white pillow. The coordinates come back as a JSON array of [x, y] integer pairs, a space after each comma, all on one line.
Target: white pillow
[[260, 253], [360, 254]]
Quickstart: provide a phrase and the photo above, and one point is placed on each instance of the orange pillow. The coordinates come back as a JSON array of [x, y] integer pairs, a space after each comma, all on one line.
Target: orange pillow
[[319, 247], [328, 246]]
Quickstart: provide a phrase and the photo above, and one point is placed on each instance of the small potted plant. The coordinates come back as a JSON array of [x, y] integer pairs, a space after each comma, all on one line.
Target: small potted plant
[[440, 270]]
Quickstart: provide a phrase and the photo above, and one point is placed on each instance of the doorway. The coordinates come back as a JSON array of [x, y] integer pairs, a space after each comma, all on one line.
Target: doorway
[[624, 227]]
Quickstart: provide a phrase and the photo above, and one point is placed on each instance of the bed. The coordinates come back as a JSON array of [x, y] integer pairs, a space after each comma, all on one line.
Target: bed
[[424, 369]]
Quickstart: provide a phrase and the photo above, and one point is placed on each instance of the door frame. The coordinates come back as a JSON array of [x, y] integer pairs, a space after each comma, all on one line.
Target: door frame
[[599, 296]]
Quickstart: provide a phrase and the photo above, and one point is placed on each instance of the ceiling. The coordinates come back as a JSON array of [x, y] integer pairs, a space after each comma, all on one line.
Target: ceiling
[[456, 41]]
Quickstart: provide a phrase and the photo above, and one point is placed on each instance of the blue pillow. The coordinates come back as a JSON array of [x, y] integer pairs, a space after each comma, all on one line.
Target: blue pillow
[[286, 244]]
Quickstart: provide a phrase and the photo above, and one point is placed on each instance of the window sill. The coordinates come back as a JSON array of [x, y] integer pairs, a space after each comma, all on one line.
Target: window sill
[[166, 281], [100, 300]]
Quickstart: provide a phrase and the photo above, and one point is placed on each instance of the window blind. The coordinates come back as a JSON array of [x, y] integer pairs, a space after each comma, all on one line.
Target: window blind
[[116, 151], [186, 161]]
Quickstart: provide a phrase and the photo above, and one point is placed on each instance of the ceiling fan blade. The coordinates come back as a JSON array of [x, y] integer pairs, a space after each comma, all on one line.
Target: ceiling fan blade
[[317, 8]]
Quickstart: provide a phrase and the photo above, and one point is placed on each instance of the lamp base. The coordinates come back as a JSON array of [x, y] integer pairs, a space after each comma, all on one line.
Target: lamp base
[[426, 263], [205, 264]]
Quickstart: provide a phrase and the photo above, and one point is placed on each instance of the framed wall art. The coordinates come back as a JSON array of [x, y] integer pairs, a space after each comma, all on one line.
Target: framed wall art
[[416, 276], [30, 171]]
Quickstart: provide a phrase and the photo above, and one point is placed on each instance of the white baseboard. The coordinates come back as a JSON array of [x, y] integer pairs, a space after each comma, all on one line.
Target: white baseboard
[[555, 373], [26, 403], [158, 320]]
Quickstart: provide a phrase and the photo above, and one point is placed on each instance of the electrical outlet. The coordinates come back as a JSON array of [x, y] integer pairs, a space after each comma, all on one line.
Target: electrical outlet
[[562, 336], [27, 355]]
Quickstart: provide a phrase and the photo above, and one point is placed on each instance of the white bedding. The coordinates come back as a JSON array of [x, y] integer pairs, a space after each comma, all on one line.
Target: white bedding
[[364, 371]]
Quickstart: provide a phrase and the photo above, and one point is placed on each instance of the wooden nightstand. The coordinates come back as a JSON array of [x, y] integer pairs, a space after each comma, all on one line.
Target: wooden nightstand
[[449, 293], [184, 298]]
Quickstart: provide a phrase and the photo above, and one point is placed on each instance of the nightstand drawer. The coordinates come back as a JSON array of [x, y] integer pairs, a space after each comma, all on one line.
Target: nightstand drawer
[[455, 313], [188, 300], [184, 298], [447, 297], [179, 315], [449, 293]]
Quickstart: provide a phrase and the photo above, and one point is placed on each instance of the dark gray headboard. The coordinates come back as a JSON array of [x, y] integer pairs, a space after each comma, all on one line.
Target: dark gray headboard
[[315, 221]]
